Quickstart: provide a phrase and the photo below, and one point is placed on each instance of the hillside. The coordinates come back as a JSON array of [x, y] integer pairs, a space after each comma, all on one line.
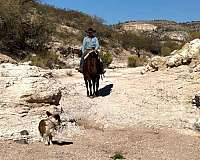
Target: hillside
[[66, 25], [39, 32], [163, 29], [42, 33]]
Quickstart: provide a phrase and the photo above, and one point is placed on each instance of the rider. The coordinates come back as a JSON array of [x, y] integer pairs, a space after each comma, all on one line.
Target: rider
[[90, 42]]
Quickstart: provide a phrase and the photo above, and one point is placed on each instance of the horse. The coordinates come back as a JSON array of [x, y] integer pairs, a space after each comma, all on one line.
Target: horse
[[90, 73]]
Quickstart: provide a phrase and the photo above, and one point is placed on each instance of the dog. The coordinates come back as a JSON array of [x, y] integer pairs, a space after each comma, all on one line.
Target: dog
[[47, 127]]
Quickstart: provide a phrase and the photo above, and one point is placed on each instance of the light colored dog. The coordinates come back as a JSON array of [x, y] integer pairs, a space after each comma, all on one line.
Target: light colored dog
[[47, 127]]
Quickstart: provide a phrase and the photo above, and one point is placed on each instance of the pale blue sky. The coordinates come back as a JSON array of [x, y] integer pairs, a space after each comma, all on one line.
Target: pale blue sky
[[114, 11]]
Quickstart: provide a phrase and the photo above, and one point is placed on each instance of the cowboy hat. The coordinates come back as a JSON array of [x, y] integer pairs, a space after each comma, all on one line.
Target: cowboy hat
[[89, 30]]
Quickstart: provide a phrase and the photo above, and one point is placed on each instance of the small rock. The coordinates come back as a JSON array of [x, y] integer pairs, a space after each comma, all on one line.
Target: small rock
[[21, 141], [197, 125], [48, 75], [197, 68], [196, 100], [24, 132]]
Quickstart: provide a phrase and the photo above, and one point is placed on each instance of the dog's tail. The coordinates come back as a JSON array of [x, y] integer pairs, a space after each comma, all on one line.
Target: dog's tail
[[42, 128]]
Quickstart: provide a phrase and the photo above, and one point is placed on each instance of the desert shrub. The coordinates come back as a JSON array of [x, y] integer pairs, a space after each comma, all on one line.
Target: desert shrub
[[106, 58], [118, 156], [169, 46], [135, 61], [173, 45], [140, 41], [194, 35], [165, 51], [44, 59], [132, 61]]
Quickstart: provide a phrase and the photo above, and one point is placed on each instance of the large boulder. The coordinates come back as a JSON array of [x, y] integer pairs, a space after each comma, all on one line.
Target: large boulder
[[155, 64], [27, 84], [184, 56]]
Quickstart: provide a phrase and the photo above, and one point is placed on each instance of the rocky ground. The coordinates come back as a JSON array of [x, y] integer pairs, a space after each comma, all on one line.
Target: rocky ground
[[142, 115]]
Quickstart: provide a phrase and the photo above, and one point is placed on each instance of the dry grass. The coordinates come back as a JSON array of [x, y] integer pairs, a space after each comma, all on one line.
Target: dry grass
[[135, 61]]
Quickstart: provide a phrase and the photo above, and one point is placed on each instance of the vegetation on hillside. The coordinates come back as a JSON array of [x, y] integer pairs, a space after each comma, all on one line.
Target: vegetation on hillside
[[194, 35], [22, 27], [149, 43], [27, 26]]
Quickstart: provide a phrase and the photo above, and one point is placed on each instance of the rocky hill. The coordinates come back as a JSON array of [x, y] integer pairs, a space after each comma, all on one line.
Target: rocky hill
[[166, 29], [40, 33]]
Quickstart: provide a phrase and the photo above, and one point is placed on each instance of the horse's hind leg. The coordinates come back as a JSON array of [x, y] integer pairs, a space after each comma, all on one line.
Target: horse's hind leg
[[86, 83], [94, 86], [97, 86]]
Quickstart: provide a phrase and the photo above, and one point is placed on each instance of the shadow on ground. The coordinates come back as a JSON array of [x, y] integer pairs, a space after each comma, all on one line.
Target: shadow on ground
[[105, 91], [62, 143]]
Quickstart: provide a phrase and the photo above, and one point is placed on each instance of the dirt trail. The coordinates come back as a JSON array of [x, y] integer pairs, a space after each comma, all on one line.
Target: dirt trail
[[128, 98], [133, 144]]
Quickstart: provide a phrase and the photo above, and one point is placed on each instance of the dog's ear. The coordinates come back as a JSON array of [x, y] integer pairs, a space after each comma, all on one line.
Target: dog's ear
[[48, 113], [57, 117]]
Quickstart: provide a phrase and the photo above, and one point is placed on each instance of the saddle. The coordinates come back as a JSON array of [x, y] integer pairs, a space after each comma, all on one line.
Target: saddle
[[85, 57]]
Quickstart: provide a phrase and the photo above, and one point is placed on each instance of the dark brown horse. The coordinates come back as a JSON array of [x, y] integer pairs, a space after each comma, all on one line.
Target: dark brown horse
[[90, 73]]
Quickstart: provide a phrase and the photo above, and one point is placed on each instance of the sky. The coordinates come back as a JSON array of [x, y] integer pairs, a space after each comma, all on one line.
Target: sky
[[115, 11]]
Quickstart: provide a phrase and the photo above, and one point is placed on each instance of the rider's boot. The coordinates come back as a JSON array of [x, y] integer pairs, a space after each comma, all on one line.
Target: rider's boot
[[80, 69]]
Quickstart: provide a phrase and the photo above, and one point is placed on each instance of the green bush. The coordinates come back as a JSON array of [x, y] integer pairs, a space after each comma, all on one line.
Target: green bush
[[132, 61], [165, 51], [194, 35], [107, 59], [140, 41], [44, 59], [135, 61], [168, 47]]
